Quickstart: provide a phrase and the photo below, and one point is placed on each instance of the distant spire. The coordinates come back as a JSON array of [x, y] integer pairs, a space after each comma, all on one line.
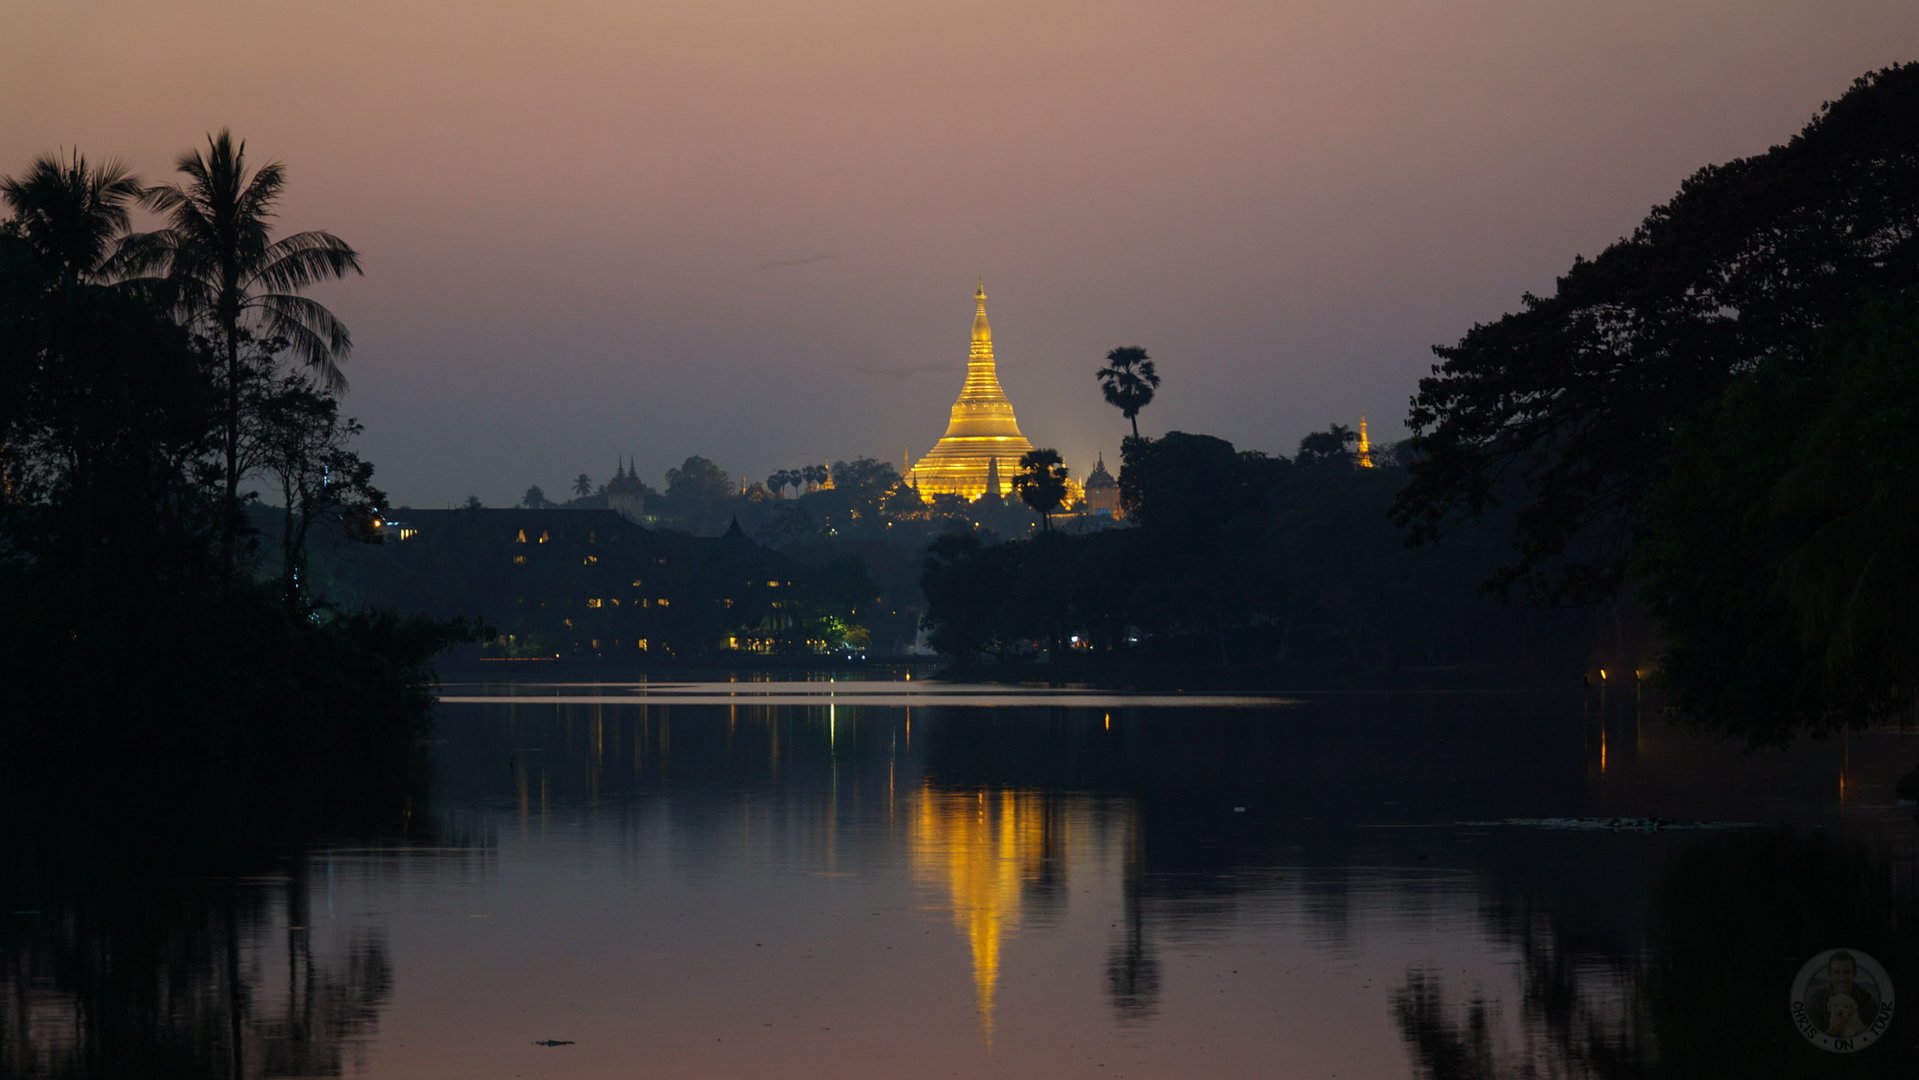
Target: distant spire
[[1365, 456], [992, 476]]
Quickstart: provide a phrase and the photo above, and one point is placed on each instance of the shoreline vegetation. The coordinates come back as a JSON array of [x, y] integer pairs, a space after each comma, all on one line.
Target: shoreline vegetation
[[158, 653], [1609, 460]]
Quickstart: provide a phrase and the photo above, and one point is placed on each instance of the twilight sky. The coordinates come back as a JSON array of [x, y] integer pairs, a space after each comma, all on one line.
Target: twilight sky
[[750, 230]]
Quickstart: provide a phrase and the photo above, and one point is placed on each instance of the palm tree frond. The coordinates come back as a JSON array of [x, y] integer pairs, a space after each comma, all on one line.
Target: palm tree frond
[[315, 334], [305, 259]]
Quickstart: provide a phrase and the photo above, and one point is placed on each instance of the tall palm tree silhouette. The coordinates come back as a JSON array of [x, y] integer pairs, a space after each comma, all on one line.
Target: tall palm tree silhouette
[[1128, 381], [224, 268]]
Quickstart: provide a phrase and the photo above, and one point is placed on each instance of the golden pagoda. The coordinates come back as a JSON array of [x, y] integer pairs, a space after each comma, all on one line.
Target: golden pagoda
[[982, 431], [1365, 456]]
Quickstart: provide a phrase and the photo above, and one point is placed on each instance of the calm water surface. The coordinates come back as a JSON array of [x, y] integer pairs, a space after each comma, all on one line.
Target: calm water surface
[[908, 879]]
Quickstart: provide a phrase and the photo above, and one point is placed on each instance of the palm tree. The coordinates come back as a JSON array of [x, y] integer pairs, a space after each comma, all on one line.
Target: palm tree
[[1128, 381], [582, 485], [73, 217], [218, 257], [1041, 483]]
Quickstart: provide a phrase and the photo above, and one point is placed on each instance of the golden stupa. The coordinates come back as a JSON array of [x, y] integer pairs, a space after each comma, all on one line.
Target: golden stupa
[[983, 436]]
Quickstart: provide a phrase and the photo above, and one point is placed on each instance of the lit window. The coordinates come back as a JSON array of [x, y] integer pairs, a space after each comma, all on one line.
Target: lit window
[[590, 560], [543, 536], [642, 644], [772, 584], [594, 602], [664, 602], [519, 560], [568, 622], [637, 583], [522, 538], [728, 601]]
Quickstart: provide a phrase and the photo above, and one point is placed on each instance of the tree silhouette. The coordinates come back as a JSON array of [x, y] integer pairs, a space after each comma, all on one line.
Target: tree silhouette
[[1330, 445], [1566, 412], [1041, 483], [101, 389], [1128, 381], [534, 499], [223, 268], [582, 485], [73, 216]]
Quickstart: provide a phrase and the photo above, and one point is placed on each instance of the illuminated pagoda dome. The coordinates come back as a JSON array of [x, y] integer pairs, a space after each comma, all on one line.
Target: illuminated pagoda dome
[[983, 437], [1102, 492], [1364, 456]]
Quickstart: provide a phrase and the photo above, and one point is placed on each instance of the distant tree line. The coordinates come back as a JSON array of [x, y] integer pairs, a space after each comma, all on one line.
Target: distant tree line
[[1237, 565]]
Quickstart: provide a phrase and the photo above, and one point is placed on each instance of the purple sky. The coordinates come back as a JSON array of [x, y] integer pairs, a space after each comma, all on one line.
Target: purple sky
[[750, 230]]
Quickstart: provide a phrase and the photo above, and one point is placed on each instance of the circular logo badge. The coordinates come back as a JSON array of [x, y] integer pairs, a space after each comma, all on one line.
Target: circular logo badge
[[1842, 1000]]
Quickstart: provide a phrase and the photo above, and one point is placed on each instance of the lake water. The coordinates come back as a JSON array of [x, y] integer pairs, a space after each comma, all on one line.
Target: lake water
[[900, 878]]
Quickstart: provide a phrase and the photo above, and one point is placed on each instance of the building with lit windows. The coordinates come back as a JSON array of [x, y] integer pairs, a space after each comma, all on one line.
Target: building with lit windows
[[579, 583]]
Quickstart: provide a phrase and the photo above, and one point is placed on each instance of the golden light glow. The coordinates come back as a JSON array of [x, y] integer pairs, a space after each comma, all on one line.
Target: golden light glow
[[978, 848], [982, 434], [1365, 446]]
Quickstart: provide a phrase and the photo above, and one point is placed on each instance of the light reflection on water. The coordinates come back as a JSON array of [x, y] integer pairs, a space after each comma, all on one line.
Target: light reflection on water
[[687, 882]]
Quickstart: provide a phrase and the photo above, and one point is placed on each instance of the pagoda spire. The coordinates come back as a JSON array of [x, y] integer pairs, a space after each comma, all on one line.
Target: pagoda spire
[[1365, 455], [981, 427]]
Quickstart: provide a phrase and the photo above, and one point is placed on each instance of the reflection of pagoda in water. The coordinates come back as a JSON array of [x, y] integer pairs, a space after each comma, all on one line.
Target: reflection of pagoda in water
[[983, 436], [980, 847]]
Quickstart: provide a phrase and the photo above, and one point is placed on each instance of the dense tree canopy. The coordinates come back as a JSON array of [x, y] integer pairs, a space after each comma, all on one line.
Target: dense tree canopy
[[1778, 553], [1569, 408]]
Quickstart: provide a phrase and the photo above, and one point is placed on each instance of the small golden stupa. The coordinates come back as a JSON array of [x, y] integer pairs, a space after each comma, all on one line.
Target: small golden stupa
[[982, 431]]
